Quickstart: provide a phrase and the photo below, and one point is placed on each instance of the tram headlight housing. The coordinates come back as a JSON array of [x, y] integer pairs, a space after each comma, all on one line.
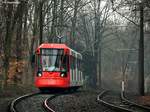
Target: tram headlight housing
[[39, 74], [63, 75]]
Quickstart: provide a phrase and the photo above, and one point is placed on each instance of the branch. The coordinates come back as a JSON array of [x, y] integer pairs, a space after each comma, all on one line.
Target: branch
[[126, 18], [115, 10]]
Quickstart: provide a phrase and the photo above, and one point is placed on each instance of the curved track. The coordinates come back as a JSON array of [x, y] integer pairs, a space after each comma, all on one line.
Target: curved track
[[16, 101], [34, 102], [47, 104], [123, 106], [133, 104], [110, 105]]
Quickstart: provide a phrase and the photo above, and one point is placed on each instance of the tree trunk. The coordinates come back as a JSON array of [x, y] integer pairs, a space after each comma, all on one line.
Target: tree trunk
[[99, 67], [141, 53], [19, 32], [96, 50], [74, 20], [26, 46], [61, 21], [54, 22], [7, 43], [41, 22], [34, 31]]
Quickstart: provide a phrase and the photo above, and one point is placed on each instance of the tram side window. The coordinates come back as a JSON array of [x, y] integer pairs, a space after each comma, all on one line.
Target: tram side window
[[67, 56], [75, 63], [72, 62], [79, 64]]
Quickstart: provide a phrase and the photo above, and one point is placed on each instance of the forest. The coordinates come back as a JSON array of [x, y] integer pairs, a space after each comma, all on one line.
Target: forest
[[106, 32]]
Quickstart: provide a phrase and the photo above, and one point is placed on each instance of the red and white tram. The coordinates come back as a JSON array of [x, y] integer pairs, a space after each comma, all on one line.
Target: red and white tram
[[57, 66]]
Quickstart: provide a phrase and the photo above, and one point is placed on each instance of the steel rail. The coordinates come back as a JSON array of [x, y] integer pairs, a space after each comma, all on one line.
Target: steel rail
[[19, 99], [110, 105], [46, 105], [124, 98]]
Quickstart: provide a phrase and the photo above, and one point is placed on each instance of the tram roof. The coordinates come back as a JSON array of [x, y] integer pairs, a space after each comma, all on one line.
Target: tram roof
[[53, 45], [57, 46]]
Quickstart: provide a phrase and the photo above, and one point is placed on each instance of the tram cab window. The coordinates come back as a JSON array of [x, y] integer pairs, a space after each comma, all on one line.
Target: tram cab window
[[54, 60]]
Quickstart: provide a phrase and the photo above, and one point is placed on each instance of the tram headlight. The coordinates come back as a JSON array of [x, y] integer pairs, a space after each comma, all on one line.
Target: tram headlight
[[39, 74], [62, 75]]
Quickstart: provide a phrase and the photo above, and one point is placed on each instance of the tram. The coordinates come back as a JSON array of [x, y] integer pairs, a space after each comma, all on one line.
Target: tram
[[57, 66]]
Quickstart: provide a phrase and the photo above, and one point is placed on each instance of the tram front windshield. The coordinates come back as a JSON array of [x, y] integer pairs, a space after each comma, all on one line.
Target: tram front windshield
[[53, 60]]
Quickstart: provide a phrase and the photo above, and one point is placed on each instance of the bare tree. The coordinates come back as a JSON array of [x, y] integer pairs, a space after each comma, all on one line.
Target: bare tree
[[10, 17], [54, 21]]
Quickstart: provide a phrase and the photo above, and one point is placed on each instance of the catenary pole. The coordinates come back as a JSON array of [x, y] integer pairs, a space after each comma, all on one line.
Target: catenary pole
[[41, 22], [141, 53]]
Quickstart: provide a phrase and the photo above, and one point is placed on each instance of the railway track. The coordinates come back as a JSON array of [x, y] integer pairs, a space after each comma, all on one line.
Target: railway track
[[120, 104], [49, 107], [34, 102], [133, 104]]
